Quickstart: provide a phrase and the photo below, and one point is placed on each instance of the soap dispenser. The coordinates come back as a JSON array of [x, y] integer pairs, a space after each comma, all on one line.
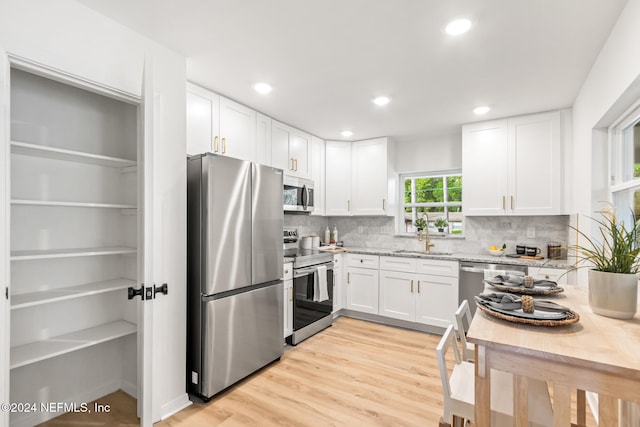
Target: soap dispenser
[[335, 234], [327, 236]]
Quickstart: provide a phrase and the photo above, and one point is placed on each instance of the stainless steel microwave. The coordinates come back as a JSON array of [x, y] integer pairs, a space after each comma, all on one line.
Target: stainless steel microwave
[[298, 194]]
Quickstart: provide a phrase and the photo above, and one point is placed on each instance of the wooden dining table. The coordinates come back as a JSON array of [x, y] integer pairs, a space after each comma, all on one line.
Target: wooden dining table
[[596, 354]]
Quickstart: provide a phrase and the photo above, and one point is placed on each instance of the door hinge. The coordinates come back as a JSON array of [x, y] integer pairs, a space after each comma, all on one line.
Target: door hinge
[[147, 293]]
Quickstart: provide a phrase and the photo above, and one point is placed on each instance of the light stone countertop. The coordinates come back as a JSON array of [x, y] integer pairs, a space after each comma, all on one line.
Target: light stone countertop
[[562, 263]]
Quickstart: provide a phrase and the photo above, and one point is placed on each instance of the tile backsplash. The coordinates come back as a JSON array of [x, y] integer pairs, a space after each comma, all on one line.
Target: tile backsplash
[[479, 232]]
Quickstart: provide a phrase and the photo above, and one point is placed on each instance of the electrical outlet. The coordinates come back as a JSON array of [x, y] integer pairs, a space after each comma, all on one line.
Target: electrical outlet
[[531, 232]]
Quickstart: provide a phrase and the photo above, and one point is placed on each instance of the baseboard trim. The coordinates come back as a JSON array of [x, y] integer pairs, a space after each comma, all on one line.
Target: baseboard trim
[[435, 330], [175, 406]]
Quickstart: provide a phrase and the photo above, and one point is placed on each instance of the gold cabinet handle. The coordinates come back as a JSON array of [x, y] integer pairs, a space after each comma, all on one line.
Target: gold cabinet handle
[[418, 286], [348, 205], [384, 208], [348, 278], [224, 145], [511, 202], [504, 203], [412, 286], [286, 271], [215, 144], [291, 168], [296, 163]]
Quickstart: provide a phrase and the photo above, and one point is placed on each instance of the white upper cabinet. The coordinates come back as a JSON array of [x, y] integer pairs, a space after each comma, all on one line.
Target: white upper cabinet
[[338, 178], [263, 139], [372, 177], [219, 125], [318, 174], [290, 150], [513, 166], [360, 178]]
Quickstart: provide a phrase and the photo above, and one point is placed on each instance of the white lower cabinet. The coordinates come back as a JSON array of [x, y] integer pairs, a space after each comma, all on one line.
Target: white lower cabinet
[[288, 299], [557, 275], [430, 299], [362, 283]]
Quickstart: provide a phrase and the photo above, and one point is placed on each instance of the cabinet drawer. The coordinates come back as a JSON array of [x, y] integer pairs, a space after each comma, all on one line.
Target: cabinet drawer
[[363, 261], [288, 271], [545, 273], [437, 267], [394, 263]]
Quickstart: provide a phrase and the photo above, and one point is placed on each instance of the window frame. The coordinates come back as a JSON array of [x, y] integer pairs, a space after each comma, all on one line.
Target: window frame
[[618, 154], [400, 221]]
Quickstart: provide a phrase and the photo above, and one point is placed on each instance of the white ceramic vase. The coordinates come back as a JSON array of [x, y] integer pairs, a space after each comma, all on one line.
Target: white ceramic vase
[[613, 294]]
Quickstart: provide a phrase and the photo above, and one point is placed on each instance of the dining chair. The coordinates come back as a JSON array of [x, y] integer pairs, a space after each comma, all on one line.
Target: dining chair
[[459, 392], [461, 326]]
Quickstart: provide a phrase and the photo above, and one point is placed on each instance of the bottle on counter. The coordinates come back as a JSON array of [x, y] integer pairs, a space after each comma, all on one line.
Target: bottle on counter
[[332, 238], [327, 236], [335, 234]]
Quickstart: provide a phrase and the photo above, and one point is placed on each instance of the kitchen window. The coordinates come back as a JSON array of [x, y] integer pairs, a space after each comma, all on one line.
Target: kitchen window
[[436, 197], [624, 139]]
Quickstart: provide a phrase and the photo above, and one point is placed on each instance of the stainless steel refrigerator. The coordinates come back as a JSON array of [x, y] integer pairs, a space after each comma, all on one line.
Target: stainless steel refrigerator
[[234, 264]]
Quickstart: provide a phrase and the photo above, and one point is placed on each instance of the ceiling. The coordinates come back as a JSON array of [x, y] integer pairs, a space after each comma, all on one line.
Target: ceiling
[[327, 60]]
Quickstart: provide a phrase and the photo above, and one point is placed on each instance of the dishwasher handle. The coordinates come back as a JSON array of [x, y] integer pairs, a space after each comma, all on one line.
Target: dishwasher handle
[[472, 269]]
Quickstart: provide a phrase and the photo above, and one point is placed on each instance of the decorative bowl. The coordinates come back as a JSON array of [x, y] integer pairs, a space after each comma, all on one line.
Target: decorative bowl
[[496, 252]]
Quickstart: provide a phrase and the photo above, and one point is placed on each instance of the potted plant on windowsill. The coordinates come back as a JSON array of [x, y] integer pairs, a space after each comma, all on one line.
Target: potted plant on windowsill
[[421, 224], [613, 263], [441, 224]]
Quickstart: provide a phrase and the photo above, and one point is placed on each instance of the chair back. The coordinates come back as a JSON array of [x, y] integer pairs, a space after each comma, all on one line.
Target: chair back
[[447, 341], [462, 323]]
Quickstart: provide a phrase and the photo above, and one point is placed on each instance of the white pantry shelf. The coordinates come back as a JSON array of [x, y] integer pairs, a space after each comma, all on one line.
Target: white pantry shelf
[[71, 204], [54, 295], [69, 253], [36, 150], [62, 344]]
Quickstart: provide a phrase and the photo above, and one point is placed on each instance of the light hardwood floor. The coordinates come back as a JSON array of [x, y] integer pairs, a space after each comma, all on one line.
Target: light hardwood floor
[[353, 373]]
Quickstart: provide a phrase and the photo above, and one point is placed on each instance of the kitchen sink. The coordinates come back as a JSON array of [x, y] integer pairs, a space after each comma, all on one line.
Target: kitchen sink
[[406, 252]]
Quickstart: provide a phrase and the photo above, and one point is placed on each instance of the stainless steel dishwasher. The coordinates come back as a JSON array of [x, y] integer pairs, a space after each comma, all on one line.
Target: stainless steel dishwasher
[[472, 275]]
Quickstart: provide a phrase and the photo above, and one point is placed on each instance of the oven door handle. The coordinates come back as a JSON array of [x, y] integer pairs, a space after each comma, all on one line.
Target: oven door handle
[[299, 272]]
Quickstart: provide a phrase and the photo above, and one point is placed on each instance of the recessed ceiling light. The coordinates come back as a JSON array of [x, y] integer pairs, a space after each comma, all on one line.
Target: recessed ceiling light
[[346, 133], [381, 100], [457, 27], [481, 110], [262, 88]]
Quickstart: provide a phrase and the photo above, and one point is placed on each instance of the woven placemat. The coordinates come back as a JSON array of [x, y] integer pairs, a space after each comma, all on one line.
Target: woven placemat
[[527, 291], [572, 317]]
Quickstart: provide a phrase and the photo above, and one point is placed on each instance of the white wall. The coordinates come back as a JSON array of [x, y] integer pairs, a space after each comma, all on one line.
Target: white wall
[[67, 36], [611, 86], [430, 154]]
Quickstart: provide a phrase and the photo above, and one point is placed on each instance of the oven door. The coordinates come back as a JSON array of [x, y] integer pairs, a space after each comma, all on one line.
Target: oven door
[[307, 307]]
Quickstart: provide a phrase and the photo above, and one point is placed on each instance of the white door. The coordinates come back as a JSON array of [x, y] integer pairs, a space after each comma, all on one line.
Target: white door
[[338, 178], [4, 241], [237, 130], [202, 120], [436, 300], [484, 164], [299, 150], [362, 290], [536, 164], [369, 177], [280, 136], [397, 295]]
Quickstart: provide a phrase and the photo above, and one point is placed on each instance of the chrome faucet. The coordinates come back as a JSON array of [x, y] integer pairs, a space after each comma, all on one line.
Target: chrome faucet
[[427, 243]]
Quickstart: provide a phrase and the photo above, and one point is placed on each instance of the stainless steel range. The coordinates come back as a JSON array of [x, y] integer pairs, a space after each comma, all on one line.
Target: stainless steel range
[[313, 288]]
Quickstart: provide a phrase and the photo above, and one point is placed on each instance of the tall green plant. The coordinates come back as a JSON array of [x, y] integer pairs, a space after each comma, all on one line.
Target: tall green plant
[[618, 252]]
